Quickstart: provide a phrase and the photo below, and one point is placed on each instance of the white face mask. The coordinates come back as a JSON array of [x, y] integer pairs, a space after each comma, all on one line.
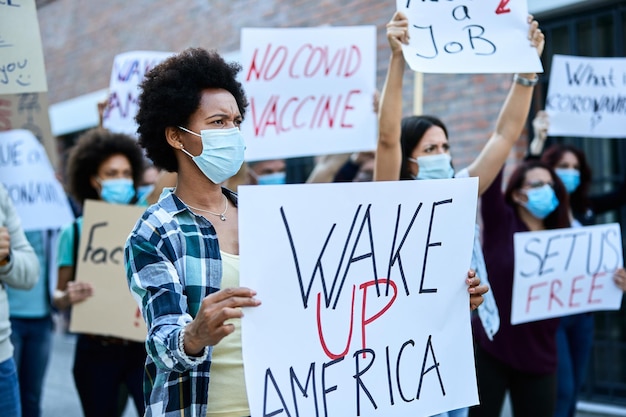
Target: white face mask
[[222, 153], [434, 167]]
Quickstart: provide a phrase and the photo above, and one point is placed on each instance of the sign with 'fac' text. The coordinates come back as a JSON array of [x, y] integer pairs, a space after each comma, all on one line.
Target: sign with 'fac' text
[[128, 72], [21, 55], [111, 311], [587, 97], [365, 310], [311, 91], [28, 176], [566, 271], [456, 36]]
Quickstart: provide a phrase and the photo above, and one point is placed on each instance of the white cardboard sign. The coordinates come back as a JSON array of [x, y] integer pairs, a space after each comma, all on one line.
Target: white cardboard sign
[[364, 303], [28, 176], [566, 271], [468, 37], [587, 97], [311, 91], [129, 69]]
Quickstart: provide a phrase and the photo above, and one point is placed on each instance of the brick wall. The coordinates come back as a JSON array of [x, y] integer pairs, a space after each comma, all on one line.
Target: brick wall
[[81, 38]]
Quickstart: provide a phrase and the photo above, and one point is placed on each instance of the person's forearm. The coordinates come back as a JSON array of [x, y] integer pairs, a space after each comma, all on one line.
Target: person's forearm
[[390, 111], [515, 110]]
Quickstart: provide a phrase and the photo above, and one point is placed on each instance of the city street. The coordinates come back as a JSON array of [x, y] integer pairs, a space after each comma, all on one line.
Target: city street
[[60, 398]]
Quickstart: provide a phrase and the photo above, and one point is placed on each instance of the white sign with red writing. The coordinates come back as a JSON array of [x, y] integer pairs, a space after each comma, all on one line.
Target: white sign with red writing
[[129, 69], [362, 312], [311, 91], [587, 97], [468, 37], [566, 271]]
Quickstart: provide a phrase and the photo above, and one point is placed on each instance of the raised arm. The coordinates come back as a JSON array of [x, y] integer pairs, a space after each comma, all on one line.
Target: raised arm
[[389, 150], [510, 120]]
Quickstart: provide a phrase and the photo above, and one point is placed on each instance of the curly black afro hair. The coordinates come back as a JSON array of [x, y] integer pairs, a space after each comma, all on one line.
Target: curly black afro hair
[[93, 148], [171, 93]]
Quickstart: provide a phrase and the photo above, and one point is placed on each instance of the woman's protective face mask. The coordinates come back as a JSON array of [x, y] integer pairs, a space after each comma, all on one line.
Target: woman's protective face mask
[[272, 179], [434, 167], [117, 190], [143, 191], [541, 201], [222, 153], [570, 178]]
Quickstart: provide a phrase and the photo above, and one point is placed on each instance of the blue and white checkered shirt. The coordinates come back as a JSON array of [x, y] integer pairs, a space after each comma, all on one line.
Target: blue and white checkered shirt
[[173, 261]]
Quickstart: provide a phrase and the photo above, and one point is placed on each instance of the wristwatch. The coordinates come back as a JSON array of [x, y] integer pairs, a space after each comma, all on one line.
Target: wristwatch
[[6, 260], [525, 81]]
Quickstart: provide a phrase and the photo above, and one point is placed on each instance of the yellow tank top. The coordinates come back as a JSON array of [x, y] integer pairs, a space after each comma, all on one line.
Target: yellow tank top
[[227, 388]]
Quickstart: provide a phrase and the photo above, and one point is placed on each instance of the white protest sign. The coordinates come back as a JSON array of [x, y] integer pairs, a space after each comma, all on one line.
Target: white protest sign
[[128, 72], [29, 179], [311, 91], [21, 55], [111, 311], [587, 97], [468, 37], [566, 271], [364, 303]]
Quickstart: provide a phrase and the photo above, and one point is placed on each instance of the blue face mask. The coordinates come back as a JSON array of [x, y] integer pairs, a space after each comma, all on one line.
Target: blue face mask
[[143, 191], [434, 167], [272, 179], [570, 178], [541, 201], [117, 191], [222, 153]]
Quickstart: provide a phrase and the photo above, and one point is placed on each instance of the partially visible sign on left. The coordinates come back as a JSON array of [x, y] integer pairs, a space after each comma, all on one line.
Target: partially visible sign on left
[[29, 179], [21, 55]]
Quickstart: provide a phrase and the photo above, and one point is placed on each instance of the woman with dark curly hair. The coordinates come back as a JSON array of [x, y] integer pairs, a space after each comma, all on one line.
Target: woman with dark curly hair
[[185, 247], [101, 166]]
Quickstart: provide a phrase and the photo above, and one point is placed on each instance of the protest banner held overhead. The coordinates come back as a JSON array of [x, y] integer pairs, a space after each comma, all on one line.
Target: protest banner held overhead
[[456, 36], [362, 311], [587, 97], [27, 175], [566, 271], [311, 91], [101, 263], [129, 69], [21, 55]]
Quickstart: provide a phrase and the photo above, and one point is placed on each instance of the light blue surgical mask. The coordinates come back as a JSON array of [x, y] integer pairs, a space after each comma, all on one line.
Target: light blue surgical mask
[[117, 190], [222, 153], [541, 201], [272, 179], [570, 178], [434, 167], [143, 191]]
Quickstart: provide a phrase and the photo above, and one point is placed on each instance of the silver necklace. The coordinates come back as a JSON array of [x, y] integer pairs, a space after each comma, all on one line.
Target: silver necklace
[[220, 215]]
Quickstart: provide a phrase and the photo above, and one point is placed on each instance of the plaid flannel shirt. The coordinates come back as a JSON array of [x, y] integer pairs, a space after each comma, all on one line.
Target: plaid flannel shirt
[[173, 261]]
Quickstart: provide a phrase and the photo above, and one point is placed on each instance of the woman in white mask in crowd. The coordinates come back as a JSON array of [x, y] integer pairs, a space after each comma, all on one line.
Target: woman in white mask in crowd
[[417, 147], [101, 166]]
